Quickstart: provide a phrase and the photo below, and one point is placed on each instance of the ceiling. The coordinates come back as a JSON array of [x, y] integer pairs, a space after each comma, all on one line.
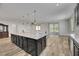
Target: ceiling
[[45, 12]]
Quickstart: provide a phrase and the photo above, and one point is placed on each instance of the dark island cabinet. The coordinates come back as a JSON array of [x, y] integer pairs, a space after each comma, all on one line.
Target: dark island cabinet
[[20, 42], [25, 44], [39, 46], [76, 48], [30, 45], [43, 41]]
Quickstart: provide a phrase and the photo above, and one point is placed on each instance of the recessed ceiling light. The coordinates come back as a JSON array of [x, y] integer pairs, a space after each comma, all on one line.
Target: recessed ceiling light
[[58, 4]]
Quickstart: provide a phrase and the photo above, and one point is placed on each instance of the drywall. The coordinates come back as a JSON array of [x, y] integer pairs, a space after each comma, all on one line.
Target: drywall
[[63, 27], [27, 28], [77, 29]]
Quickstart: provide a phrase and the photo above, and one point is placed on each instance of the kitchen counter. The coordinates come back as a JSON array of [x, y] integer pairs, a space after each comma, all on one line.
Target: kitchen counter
[[75, 37], [74, 44], [35, 36], [33, 44]]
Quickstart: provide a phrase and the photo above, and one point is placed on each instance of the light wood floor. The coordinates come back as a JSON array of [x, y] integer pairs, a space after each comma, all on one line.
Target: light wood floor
[[9, 49], [56, 46]]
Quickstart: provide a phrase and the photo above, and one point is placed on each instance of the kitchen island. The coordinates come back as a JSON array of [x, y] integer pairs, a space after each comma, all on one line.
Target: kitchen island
[[32, 44]]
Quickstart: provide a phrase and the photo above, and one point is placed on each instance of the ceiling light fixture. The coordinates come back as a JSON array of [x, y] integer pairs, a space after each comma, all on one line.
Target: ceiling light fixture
[[34, 19], [57, 4]]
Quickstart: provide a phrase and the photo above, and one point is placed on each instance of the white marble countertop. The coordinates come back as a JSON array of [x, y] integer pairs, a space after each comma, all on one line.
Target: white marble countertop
[[75, 37], [34, 36]]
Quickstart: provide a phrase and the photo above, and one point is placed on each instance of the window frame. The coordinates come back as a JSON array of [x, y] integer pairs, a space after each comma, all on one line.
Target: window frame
[[37, 27], [53, 31]]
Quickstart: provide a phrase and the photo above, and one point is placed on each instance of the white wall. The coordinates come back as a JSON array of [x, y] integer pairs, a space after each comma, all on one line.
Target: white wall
[[27, 28], [63, 27], [77, 30]]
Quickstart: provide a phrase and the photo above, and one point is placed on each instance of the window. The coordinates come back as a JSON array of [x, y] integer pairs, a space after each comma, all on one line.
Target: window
[[51, 27], [37, 27], [54, 28]]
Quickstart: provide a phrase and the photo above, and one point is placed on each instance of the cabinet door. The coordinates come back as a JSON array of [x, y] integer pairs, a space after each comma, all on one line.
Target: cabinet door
[[18, 43], [21, 42], [39, 46], [33, 53], [17, 40], [76, 49], [12, 38], [43, 42], [31, 46], [25, 44]]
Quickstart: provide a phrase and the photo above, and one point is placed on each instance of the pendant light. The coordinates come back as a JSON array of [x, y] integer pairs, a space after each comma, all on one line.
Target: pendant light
[[34, 19]]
